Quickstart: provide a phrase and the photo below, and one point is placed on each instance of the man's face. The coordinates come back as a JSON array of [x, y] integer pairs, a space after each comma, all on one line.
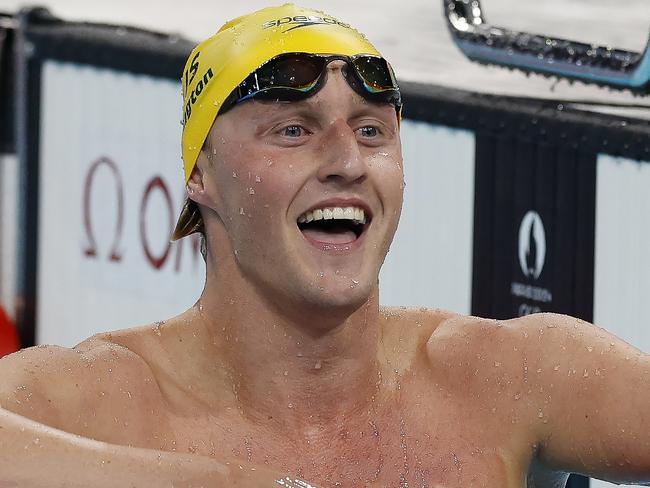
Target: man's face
[[273, 167]]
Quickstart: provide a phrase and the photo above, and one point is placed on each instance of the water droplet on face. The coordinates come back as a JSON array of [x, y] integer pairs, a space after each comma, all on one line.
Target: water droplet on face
[[318, 365], [286, 373], [258, 179], [241, 211], [234, 174], [251, 191]]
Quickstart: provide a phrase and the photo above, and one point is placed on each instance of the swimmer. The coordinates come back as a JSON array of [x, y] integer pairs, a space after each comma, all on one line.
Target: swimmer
[[287, 368]]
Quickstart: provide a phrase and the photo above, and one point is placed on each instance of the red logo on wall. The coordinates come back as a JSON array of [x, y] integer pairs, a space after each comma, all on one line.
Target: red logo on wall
[[115, 253]]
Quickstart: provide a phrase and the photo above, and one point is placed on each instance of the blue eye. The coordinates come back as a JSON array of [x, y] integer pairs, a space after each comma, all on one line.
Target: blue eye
[[292, 131], [369, 131]]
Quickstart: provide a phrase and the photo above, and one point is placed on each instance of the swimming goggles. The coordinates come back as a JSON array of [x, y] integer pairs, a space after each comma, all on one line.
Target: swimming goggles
[[297, 76]]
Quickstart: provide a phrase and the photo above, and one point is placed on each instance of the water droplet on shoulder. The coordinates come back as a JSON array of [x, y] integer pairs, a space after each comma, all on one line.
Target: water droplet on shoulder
[[157, 326]]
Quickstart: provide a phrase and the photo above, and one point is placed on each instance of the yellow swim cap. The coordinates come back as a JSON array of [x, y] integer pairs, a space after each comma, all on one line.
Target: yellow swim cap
[[219, 64]]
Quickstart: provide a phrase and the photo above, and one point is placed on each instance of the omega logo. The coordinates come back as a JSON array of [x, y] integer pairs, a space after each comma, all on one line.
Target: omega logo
[[115, 252], [155, 183], [91, 249]]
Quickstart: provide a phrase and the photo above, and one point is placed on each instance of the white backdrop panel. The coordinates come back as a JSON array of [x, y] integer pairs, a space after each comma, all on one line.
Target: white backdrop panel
[[9, 231], [109, 141], [430, 262], [622, 267]]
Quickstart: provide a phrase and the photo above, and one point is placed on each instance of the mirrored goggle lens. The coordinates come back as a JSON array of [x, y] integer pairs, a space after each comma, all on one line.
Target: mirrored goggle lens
[[296, 72], [375, 73]]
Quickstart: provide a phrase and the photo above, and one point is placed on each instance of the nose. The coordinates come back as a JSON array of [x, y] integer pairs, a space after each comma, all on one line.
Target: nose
[[342, 161]]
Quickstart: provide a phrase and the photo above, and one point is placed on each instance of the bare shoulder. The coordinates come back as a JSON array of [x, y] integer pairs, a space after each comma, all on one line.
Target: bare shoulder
[[528, 354], [549, 337], [463, 335], [62, 387], [415, 332], [561, 343], [532, 338], [448, 336], [468, 353], [483, 337]]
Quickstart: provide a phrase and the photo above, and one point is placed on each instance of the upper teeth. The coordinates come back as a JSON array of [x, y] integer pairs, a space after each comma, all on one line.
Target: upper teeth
[[350, 213]]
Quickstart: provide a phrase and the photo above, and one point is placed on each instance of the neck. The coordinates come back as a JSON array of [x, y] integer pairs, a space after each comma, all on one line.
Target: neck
[[302, 371]]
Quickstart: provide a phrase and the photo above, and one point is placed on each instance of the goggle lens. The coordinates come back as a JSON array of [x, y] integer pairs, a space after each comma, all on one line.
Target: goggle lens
[[375, 73], [298, 73]]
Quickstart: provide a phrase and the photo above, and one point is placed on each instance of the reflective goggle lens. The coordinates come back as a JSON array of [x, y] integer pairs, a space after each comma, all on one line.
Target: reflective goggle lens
[[295, 72], [375, 73]]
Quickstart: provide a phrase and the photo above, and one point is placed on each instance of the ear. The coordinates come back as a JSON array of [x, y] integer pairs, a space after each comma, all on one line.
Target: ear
[[196, 186]]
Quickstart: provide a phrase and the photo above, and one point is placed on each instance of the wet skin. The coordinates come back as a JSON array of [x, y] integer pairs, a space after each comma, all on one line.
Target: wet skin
[[288, 362]]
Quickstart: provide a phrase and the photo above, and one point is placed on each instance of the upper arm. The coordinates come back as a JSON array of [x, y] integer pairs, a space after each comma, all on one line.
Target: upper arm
[[592, 393], [37, 382], [85, 390]]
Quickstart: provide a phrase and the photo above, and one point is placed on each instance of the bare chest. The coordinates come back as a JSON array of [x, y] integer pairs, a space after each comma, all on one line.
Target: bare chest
[[410, 445]]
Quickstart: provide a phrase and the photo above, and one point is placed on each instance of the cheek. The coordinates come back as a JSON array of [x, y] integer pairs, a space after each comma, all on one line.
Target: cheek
[[387, 168], [258, 185]]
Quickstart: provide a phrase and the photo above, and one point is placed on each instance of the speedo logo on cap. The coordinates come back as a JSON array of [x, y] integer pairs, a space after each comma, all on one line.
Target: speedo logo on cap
[[302, 21], [188, 77]]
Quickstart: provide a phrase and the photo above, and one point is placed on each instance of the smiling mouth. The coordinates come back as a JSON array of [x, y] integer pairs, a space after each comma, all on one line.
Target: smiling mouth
[[333, 225]]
